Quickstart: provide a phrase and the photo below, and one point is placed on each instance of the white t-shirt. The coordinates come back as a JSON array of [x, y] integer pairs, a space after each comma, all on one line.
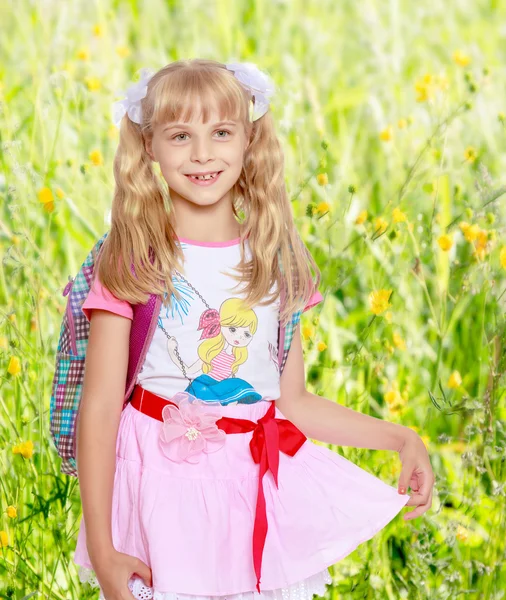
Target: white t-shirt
[[230, 354]]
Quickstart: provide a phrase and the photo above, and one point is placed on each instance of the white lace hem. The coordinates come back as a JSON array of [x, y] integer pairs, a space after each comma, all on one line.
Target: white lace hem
[[302, 590]]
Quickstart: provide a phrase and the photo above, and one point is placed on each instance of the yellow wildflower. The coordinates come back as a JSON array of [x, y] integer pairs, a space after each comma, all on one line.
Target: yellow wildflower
[[307, 332], [461, 59], [93, 83], [472, 232], [4, 539], [402, 123], [323, 207], [321, 346], [502, 257], [425, 88], [24, 448], [470, 154], [387, 134], [45, 195], [362, 216], [462, 533], [398, 215], [60, 193], [4, 342], [392, 396], [379, 301], [394, 399], [96, 157], [445, 242], [12, 512], [388, 316], [14, 367], [322, 178], [482, 239], [413, 427], [12, 317], [398, 341], [455, 380], [380, 225], [83, 54], [98, 30], [122, 51], [16, 240]]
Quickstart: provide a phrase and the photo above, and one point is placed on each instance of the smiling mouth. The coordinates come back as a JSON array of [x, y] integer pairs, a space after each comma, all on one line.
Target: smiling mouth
[[208, 177]]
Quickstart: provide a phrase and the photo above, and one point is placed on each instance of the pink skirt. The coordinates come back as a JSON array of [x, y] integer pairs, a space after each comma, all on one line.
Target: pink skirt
[[192, 523]]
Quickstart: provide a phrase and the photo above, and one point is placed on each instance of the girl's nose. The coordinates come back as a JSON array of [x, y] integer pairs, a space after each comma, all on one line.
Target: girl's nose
[[201, 150]]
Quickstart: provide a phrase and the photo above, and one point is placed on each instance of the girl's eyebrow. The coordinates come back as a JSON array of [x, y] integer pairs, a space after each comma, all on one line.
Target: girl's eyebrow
[[187, 125]]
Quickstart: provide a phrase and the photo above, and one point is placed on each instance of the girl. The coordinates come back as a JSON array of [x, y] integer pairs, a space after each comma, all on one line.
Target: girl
[[177, 501]]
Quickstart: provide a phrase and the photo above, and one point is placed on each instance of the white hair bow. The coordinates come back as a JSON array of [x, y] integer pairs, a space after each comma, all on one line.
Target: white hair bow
[[131, 105], [257, 82], [248, 74]]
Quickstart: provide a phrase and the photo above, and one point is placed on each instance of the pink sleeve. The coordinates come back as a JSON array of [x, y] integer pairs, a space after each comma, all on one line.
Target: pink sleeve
[[101, 297], [315, 299]]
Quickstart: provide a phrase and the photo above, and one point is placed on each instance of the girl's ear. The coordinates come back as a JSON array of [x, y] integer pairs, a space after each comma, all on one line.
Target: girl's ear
[[149, 149]]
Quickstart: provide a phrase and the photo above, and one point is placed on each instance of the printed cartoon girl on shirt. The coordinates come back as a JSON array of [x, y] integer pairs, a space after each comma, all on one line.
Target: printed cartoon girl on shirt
[[226, 335]]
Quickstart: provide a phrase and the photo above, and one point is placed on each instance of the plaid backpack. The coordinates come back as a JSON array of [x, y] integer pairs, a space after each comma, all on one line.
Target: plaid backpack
[[71, 354]]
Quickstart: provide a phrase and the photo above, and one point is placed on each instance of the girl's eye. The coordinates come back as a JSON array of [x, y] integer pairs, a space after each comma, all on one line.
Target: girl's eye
[[219, 131]]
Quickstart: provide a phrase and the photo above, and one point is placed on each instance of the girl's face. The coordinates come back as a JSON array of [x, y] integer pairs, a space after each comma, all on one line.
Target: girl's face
[[237, 336], [194, 147]]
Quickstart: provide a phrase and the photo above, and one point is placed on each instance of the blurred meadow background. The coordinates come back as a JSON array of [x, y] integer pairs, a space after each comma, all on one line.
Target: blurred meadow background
[[392, 116]]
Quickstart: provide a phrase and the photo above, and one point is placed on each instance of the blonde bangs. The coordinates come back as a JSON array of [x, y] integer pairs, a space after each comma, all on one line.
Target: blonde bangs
[[176, 96]]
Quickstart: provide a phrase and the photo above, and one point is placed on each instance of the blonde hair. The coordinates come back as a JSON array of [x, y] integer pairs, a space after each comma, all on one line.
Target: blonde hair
[[142, 235], [233, 313]]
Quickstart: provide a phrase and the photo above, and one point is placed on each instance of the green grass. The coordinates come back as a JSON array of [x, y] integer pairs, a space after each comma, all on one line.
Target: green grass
[[346, 72]]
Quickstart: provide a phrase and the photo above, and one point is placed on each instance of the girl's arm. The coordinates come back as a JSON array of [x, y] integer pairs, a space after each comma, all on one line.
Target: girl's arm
[[98, 423], [326, 421]]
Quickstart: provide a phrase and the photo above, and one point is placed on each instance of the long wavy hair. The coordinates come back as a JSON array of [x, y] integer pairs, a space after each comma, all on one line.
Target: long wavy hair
[[141, 249]]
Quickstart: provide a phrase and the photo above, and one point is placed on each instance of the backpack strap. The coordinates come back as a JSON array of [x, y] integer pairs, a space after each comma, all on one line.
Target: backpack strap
[[285, 333]]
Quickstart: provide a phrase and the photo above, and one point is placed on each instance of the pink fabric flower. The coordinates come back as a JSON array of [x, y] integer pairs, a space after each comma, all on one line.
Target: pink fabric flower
[[190, 428]]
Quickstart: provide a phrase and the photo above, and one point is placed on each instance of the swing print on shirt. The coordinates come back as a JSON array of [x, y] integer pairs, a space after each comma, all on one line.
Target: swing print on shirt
[[226, 334]]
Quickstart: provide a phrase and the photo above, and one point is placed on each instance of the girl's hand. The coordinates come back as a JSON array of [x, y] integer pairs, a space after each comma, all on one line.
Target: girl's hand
[[115, 569], [416, 473], [171, 343]]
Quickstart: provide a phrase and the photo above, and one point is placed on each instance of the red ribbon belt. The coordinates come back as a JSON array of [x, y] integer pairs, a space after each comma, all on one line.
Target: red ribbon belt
[[270, 435]]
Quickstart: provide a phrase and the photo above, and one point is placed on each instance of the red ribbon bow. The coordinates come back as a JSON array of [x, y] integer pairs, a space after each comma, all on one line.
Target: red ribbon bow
[[209, 322], [270, 435]]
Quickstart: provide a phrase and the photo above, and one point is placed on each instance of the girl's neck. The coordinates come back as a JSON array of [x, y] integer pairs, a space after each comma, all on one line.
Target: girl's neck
[[220, 240]]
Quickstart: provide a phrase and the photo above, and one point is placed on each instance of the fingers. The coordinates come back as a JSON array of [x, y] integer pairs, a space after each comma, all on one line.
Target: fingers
[[143, 571], [404, 479], [420, 509]]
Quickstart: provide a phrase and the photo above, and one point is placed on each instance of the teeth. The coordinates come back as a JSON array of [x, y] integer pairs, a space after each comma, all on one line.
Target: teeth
[[204, 177]]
